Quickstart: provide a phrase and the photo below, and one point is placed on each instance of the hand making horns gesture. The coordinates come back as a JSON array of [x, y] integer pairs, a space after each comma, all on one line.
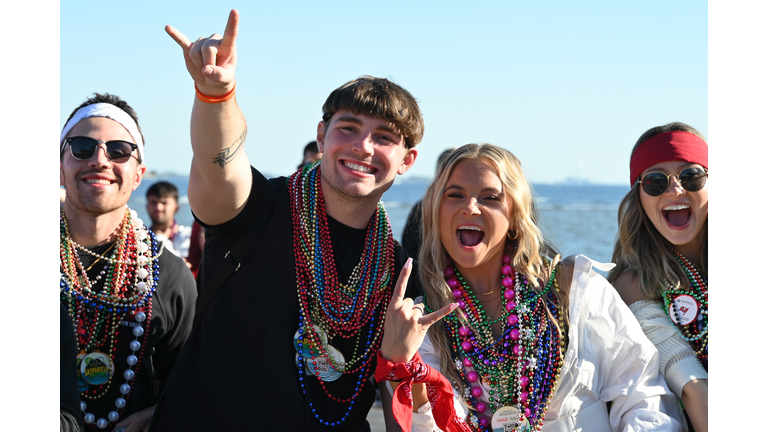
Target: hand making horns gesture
[[406, 325], [211, 61]]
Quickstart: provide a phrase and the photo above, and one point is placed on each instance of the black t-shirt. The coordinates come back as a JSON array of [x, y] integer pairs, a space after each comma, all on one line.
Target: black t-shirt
[[69, 396], [412, 232], [238, 369], [173, 308]]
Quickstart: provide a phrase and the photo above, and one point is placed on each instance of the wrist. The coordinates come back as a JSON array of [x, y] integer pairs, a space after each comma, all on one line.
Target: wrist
[[214, 95]]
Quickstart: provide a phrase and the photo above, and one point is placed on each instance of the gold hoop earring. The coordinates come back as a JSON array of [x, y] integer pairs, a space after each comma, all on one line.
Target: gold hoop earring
[[509, 236]]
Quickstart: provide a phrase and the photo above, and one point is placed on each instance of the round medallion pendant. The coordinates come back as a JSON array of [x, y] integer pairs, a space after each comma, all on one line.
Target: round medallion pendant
[[304, 340], [82, 385], [508, 419], [322, 368], [686, 307], [96, 368]]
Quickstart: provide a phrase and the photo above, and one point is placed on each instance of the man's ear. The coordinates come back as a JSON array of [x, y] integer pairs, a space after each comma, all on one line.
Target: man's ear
[[320, 136], [140, 170], [408, 160]]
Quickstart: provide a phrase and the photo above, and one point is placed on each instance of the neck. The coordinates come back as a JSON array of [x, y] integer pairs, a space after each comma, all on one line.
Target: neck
[[91, 229], [691, 250], [355, 213], [164, 229], [483, 279]]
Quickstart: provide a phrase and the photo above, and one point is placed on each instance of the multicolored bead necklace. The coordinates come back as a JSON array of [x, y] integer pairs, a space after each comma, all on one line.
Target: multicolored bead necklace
[[688, 309], [522, 365], [328, 308], [128, 281]]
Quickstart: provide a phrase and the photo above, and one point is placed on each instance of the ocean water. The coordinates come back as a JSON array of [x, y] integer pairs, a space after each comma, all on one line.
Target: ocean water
[[577, 219]]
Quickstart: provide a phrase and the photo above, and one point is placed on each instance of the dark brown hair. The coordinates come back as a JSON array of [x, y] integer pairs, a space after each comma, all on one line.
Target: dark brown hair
[[379, 98]]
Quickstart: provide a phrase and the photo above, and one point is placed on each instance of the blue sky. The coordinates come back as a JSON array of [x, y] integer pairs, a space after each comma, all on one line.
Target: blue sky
[[566, 86]]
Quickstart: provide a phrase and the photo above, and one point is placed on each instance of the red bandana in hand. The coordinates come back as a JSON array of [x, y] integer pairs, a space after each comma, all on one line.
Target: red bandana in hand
[[439, 392]]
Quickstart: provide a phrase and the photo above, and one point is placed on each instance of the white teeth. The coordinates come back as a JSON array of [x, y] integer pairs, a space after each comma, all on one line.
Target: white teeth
[[469, 227], [357, 167], [676, 207], [97, 181]]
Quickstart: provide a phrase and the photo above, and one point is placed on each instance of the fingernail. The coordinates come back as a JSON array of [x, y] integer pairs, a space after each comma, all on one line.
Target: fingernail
[[454, 306], [407, 264]]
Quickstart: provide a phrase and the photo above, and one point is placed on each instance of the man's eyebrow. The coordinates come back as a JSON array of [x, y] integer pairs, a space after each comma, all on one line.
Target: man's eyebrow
[[385, 128], [350, 119], [357, 121]]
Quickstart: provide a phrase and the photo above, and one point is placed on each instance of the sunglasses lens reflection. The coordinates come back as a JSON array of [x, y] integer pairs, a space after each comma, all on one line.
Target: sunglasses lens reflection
[[655, 184], [693, 179], [83, 148]]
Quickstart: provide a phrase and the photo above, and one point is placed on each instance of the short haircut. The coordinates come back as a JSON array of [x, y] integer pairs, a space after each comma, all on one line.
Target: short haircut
[[163, 189], [378, 98], [114, 100], [311, 146]]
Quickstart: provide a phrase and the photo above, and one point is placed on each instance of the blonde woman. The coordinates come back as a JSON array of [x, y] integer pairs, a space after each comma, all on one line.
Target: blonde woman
[[533, 344], [661, 257]]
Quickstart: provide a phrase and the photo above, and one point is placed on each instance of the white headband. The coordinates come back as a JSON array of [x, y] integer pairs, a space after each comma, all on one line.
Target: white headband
[[111, 112]]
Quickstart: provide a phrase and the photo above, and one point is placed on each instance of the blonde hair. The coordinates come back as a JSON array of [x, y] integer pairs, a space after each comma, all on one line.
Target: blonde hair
[[640, 247], [529, 259]]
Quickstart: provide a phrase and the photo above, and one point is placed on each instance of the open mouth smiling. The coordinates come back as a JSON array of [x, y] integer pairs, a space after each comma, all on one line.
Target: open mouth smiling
[[677, 215], [469, 235]]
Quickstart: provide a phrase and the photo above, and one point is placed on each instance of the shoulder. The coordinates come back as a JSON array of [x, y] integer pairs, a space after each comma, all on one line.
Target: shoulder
[[175, 277], [628, 287], [185, 231]]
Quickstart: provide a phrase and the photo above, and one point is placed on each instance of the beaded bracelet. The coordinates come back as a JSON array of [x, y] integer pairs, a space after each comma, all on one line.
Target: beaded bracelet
[[215, 99]]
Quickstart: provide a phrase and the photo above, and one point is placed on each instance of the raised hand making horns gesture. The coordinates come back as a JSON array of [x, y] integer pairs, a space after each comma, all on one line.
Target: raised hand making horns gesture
[[406, 325], [211, 61]]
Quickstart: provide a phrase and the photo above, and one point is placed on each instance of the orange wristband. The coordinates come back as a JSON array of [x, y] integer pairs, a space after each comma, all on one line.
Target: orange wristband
[[215, 99]]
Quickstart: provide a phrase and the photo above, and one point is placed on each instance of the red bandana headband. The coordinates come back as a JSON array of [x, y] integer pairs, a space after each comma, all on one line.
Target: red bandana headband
[[668, 146]]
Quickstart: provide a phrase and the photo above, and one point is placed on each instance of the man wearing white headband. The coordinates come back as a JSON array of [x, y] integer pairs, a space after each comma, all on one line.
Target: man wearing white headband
[[131, 305]]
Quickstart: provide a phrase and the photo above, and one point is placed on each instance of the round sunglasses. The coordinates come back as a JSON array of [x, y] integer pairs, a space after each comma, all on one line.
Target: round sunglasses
[[83, 148], [691, 179]]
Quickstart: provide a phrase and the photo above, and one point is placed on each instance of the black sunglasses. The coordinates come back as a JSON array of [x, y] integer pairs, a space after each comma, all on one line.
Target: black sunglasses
[[83, 148], [691, 179]]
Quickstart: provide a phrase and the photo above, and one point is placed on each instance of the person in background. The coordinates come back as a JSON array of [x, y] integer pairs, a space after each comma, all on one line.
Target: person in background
[[661, 257], [311, 154], [535, 344], [412, 231], [162, 206], [196, 243], [130, 302]]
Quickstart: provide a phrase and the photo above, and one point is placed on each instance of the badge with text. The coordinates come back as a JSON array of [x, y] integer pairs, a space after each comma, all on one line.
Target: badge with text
[[81, 384], [508, 419], [320, 367], [305, 340], [686, 307], [96, 368]]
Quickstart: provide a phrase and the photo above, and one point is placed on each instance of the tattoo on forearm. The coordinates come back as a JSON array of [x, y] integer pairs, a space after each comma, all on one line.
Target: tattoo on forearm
[[228, 154]]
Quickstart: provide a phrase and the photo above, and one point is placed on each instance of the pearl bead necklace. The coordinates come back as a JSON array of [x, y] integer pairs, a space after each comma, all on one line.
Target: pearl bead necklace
[[125, 388], [77, 291]]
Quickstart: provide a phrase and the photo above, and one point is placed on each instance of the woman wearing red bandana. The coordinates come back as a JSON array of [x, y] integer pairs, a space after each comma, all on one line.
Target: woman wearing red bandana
[[661, 257], [529, 342]]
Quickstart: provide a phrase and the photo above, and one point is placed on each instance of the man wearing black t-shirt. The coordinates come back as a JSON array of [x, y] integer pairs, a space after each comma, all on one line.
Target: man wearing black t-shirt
[[129, 306], [289, 340]]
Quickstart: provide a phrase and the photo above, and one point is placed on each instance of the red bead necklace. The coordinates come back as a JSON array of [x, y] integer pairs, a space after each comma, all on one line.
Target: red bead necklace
[[354, 309]]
